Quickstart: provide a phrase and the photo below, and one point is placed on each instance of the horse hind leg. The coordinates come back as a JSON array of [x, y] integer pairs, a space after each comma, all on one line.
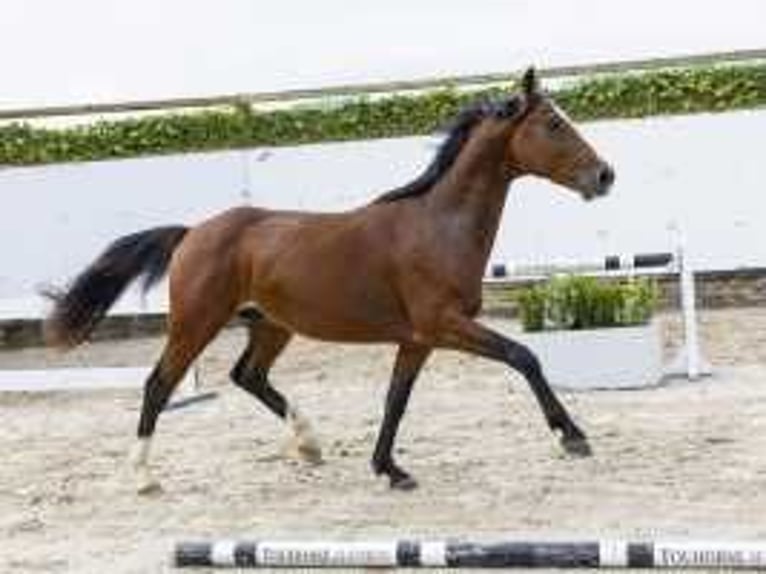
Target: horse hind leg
[[186, 340], [157, 390], [265, 343]]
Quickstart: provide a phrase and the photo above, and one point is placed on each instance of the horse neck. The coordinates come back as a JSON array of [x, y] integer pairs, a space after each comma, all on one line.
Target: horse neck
[[472, 194]]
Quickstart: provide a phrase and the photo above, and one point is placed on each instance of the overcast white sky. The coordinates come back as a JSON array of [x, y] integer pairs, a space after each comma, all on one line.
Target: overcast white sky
[[63, 51]]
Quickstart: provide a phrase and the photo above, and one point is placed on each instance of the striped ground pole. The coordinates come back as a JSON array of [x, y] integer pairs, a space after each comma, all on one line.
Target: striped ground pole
[[454, 554]]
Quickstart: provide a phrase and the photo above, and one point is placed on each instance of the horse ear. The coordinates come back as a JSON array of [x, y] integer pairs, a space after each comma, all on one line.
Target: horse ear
[[530, 82]]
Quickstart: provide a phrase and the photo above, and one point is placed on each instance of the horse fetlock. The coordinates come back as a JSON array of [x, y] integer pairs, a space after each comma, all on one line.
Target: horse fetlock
[[145, 483], [139, 454], [559, 421], [138, 459], [304, 444], [571, 438], [380, 465]]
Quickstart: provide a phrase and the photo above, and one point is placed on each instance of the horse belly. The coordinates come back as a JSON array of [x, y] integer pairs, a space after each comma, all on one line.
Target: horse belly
[[341, 308], [350, 319]]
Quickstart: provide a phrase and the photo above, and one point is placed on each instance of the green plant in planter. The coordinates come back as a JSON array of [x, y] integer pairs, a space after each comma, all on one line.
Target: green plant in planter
[[574, 302], [532, 308], [639, 302]]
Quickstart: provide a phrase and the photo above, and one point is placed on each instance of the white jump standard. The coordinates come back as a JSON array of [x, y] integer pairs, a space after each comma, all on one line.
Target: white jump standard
[[456, 554]]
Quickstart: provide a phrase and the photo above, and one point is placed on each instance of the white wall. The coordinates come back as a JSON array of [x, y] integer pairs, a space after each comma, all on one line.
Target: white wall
[[703, 172]]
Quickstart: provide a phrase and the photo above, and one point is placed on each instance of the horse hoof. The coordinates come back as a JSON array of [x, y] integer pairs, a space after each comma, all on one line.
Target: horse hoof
[[310, 453], [148, 487], [403, 483], [144, 481], [577, 446]]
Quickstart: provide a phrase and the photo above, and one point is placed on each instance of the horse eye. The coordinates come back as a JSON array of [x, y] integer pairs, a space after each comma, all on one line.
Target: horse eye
[[555, 123]]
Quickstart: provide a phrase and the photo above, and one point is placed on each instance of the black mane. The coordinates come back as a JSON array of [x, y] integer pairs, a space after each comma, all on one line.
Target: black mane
[[458, 132]]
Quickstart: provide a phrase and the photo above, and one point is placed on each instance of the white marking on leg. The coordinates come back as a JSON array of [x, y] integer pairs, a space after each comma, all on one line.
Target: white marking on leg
[[305, 444], [140, 453], [139, 460]]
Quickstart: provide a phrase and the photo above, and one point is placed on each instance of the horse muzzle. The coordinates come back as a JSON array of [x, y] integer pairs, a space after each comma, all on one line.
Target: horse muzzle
[[598, 181]]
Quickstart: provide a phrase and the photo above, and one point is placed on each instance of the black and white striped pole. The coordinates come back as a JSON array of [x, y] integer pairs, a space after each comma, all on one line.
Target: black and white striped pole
[[453, 554], [610, 263]]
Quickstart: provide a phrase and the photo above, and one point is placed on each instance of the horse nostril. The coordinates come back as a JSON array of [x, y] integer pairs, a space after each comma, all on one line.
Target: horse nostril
[[605, 178]]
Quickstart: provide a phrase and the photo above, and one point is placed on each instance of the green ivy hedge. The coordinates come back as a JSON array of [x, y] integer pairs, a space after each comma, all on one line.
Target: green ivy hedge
[[575, 302], [626, 95]]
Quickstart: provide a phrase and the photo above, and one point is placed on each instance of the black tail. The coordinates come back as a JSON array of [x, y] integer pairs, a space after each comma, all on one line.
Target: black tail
[[78, 309]]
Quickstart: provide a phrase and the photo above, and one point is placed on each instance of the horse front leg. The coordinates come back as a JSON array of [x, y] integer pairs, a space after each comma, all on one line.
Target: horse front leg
[[409, 361], [463, 333]]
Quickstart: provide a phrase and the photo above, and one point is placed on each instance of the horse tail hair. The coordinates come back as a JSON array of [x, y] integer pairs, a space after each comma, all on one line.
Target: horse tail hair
[[79, 307]]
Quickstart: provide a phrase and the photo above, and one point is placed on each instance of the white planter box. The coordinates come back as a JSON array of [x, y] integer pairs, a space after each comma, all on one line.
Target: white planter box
[[614, 358]]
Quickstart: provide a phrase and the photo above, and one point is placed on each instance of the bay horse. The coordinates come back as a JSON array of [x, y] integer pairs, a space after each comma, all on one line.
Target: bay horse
[[405, 269]]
